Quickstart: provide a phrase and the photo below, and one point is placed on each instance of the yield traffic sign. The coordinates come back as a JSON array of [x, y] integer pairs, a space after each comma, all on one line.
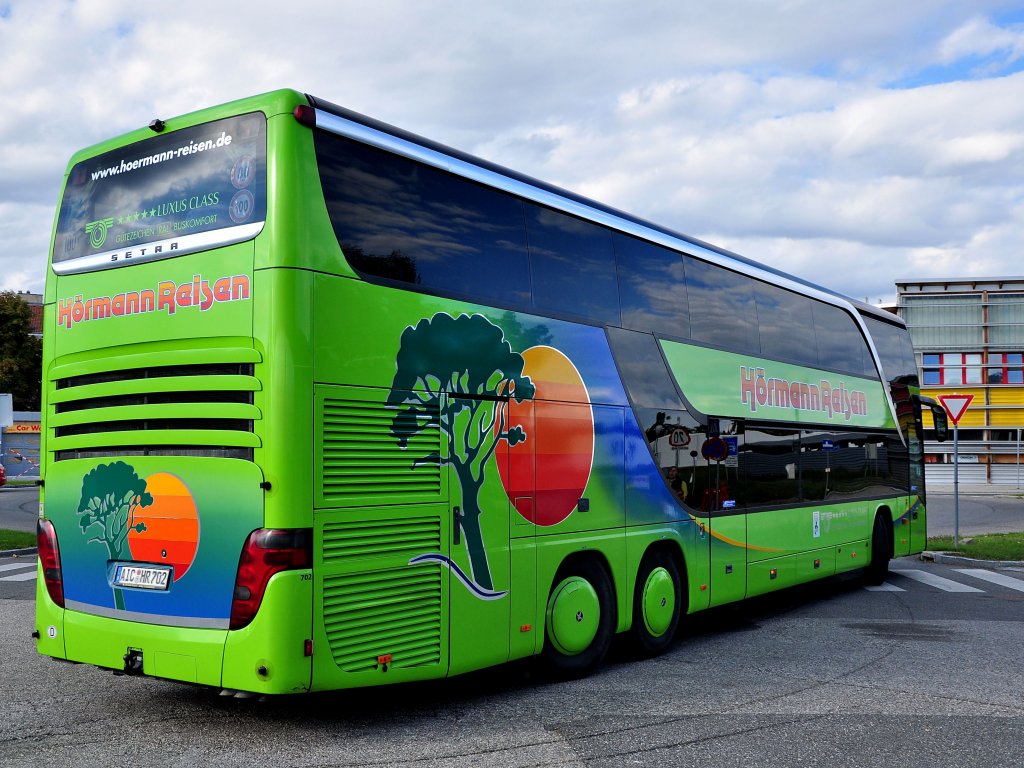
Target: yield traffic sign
[[955, 405]]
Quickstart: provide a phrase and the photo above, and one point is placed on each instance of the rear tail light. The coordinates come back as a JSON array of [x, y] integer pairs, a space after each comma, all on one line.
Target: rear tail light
[[265, 553], [49, 558]]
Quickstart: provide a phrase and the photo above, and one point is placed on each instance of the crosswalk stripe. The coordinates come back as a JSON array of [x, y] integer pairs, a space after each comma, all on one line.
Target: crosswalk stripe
[[27, 576], [946, 585], [885, 586], [996, 578], [16, 566]]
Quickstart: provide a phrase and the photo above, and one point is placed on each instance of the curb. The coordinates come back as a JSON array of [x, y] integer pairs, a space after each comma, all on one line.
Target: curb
[[19, 552], [942, 557]]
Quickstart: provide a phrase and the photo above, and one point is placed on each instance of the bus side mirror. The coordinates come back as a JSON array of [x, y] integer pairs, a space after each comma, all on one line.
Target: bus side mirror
[[939, 416], [941, 422]]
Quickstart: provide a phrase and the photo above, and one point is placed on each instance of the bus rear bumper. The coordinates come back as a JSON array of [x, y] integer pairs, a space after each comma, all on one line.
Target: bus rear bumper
[[270, 656], [174, 653]]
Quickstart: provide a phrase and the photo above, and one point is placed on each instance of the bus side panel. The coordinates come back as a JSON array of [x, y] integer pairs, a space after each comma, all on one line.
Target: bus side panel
[[771, 574], [815, 564], [728, 558], [480, 589], [269, 655], [778, 532], [49, 620], [918, 525], [527, 624], [901, 512], [379, 616], [556, 410]]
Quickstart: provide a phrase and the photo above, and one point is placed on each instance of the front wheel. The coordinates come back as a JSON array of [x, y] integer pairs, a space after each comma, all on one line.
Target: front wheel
[[579, 620], [657, 604]]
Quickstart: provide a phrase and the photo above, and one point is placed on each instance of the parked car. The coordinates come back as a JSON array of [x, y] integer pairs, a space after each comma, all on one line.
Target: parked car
[[3, 475]]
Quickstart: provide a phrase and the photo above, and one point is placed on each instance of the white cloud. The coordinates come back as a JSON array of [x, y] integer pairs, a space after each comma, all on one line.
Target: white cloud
[[979, 38], [24, 229]]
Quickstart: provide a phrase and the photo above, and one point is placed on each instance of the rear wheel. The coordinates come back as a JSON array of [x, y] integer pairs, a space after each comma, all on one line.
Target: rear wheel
[[657, 604], [579, 621], [881, 552]]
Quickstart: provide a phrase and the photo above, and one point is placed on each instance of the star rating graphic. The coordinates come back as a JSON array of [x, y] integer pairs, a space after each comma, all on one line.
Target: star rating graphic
[[131, 218]]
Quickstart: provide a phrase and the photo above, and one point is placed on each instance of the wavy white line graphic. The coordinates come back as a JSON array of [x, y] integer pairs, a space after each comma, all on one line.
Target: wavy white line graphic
[[472, 586]]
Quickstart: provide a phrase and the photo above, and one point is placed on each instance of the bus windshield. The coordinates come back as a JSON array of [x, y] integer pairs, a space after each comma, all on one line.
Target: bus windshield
[[168, 195]]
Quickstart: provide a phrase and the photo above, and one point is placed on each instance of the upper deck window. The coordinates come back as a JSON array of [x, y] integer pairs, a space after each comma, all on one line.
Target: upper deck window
[[652, 288], [572, 266], [399, 220], [180, 192], [894, 348], [723, 313]]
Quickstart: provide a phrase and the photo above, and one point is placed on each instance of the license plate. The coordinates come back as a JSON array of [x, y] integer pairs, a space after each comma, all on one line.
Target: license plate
[[142, 577]]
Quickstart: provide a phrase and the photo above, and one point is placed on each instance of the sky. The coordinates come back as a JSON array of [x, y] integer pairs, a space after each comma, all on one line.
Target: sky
[[853, 144]]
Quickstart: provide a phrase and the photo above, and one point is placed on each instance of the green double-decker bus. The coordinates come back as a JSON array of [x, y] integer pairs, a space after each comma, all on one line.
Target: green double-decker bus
[[330, 405]]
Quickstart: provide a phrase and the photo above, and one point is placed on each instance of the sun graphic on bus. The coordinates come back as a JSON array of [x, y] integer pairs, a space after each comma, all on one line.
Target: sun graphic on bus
[[171, 533], [545, 475]]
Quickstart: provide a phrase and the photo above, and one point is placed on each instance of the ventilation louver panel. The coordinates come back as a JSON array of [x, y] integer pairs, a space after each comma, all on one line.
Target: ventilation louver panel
[[363, 462], [183, 403], [393, 612], [381, 538]]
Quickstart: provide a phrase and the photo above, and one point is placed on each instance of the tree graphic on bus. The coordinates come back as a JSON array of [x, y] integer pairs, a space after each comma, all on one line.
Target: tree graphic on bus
[[466, 361], [112, 494]]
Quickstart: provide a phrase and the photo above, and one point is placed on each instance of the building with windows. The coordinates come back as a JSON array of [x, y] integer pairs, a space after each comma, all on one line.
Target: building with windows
[[19, 446], [968, 336]]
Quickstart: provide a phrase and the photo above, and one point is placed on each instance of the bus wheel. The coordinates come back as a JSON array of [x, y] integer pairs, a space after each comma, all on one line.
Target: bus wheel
[[881, 552], [579, 621], [657, 604]]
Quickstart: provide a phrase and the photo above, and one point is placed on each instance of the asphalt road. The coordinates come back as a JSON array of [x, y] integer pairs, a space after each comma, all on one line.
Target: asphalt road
[[19, 508], [978, 514], [825, 675]]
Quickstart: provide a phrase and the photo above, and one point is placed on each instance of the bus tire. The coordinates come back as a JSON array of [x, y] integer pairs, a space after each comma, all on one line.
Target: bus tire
[[881, 552], [580, 619], [657, 604]]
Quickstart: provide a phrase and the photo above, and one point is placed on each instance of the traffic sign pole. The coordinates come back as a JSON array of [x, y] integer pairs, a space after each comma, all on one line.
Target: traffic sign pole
[[956, 486], [956, 406]]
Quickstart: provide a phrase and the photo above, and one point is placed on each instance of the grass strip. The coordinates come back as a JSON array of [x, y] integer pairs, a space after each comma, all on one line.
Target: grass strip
[[16, 539], [990, 546]]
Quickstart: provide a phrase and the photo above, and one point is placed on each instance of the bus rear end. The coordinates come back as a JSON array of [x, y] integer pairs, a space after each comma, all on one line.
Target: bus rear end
[[160, 552]]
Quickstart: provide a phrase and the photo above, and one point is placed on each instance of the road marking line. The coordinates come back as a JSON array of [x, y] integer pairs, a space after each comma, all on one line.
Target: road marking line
[[995, 578], [885, 586], [16, 566], [946, 585], [20, 576]]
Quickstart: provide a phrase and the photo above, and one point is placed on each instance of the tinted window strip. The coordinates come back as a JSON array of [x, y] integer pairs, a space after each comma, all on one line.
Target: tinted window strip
[[340, 121], [551, 238]]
